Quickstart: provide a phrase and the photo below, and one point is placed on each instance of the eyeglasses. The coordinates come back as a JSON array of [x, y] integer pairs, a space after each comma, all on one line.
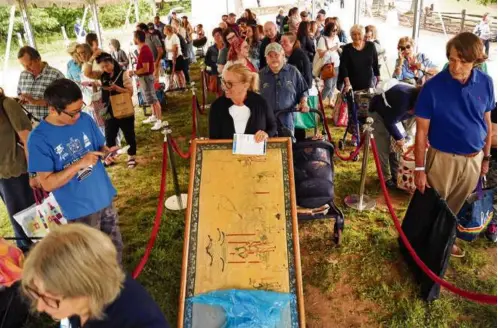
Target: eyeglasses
[[407, 47], [49, 301], [74, 114], [227, 84], [336, 30]]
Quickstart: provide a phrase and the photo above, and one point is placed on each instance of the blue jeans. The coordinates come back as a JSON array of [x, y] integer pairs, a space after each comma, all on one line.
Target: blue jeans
[[328, 87], [17, 196]]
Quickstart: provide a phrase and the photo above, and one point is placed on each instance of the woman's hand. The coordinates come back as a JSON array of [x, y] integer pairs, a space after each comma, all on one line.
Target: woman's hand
[[260, 136]]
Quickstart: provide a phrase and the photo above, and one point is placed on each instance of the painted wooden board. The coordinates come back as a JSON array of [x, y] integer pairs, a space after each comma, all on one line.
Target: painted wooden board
[[241, 225]]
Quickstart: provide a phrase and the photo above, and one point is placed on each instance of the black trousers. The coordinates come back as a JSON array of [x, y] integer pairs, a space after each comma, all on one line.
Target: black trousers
[[127, 125], [186, 70], [17, 196]]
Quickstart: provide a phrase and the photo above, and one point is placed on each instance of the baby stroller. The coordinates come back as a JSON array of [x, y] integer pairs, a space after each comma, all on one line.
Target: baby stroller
[[314, 177], [199, 46], [358, 103]]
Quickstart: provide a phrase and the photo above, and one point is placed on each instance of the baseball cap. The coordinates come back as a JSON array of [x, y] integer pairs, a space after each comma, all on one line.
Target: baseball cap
[[275, 47]]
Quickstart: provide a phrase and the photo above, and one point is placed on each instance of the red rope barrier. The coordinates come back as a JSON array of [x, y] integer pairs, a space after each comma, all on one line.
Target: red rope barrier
[[157, 220], [325, 123], [354, 153], [482, 298], [177, 150]]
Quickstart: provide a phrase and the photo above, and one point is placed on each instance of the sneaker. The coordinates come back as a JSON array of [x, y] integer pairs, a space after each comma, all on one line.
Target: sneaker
[[391, 184], [150, 120], [491, 232], [157, 126]]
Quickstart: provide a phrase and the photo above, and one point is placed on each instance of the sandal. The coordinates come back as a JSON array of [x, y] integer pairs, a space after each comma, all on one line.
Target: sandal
[[131, 163], [457, 252]]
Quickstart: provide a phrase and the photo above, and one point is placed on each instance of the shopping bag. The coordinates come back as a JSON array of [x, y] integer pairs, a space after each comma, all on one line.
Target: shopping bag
[[430, 227], [475, 214], [99, 108], [304, 120], [11, 262], [340, 111], [37, 219], [406, 171], [122, 105]]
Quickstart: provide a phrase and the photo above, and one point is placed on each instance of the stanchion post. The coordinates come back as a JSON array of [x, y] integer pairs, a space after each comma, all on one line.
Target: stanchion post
[[195, 118], [362, 202], [177, 202]]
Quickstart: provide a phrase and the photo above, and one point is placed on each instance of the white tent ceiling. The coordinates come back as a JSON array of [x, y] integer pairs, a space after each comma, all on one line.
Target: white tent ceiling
[[60, 3]]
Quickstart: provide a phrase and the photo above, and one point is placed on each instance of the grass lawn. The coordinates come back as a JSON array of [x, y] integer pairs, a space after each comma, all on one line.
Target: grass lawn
[[363, 283]]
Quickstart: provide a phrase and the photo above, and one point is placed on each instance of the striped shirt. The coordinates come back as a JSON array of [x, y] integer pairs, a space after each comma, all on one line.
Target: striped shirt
[[35, 87]]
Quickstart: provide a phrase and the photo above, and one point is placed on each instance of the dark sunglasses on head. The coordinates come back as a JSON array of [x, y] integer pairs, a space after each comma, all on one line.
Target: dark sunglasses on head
[[406, 47]]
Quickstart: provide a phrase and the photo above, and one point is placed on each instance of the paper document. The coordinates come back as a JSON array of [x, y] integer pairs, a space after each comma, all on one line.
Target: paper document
[[401, 129], [245, 144]]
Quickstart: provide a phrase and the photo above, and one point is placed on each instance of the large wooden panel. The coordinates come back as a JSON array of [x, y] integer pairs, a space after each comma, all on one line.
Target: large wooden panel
[[241, 225]]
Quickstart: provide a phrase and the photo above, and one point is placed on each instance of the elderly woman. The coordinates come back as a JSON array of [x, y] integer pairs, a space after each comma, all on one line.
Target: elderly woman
[[359, 62], [239, 54], [297, 57], [73, 275], [118, 54], [241, 109], [73, 71], [327, 50], [282, 86], [412, 67], [115, 81]]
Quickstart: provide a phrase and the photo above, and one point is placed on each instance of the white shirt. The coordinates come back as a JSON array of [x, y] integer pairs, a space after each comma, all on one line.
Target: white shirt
[[330, 57], [240, 115], [483, 31], [170, 42]]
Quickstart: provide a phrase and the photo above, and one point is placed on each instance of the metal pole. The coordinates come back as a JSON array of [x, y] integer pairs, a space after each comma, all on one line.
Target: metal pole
[[195, 118], [19, 39], [137, 15], [96, 22], [170, 204], [364, 163], [357, 11], [313, 9], [9, 41], [23, 7], [227, 6], [83, 20], [416, 21], [128, 12], [362, 202]]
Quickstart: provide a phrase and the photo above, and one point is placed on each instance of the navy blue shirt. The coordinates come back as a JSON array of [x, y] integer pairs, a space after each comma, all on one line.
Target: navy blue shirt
[[457, 111], [400, 98], [283, 91], [133, 308]]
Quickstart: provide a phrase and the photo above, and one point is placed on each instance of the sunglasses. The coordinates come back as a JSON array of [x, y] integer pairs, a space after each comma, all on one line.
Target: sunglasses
[[227, 84], [404, 48], [50, 302]]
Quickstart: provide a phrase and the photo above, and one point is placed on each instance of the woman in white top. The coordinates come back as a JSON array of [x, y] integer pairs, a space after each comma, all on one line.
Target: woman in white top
[[327, 50], [175, 57]]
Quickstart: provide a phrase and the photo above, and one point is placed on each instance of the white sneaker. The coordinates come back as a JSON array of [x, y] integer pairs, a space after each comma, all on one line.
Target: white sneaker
[[150, 120], [157, 126]]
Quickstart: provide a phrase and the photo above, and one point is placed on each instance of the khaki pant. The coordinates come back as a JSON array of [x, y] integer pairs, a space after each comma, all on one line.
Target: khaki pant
[[453, 176]]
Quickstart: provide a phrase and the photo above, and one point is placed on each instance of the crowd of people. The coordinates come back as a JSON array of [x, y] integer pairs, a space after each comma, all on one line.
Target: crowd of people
[[262, 75]]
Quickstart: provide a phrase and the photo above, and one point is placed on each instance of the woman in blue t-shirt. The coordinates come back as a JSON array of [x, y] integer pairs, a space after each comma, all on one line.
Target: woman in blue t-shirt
[[73, 275]]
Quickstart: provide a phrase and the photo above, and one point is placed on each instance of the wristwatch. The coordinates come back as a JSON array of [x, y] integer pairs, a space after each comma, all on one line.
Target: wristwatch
[[487, 157]]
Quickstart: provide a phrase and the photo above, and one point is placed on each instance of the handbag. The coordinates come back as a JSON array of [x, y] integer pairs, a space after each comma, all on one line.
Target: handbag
[[122, 105], [476, 213], [37, 219], [213, 83], [328, 70], [340, 112], [406, 171]]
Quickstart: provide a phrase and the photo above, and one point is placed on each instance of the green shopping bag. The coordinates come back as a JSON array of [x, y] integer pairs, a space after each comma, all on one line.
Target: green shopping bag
[[307, 120]]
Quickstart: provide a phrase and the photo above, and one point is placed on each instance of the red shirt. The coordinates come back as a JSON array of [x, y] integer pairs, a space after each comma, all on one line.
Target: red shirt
[[145, 56]]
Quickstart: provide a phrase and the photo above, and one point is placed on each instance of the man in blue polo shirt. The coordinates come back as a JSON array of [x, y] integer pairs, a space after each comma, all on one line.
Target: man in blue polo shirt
[[453, 112], [65, 152]]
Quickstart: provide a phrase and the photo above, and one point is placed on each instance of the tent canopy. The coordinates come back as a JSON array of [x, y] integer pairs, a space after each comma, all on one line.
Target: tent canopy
[[60, 3]]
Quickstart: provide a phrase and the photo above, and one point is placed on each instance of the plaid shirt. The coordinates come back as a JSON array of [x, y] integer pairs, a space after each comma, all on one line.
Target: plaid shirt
[[35, 87]]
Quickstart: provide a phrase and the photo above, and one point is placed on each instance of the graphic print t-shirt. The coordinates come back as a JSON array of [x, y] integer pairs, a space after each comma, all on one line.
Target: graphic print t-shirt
[[53, 148]]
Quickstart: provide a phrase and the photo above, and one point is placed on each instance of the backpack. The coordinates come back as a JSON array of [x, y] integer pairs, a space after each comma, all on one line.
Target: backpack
[[183, 46]]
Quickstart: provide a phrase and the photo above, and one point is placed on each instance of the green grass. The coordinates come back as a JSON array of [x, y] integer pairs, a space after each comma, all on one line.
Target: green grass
[[368, 263]]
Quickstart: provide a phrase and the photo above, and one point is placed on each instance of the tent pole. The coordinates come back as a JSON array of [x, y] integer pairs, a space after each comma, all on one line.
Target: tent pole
[[97, 23], [9, 42], [313, 9], [128, 13], [137, 15], [83, 21], [357, 11], [416, 22], [26, 22], [154, 9]]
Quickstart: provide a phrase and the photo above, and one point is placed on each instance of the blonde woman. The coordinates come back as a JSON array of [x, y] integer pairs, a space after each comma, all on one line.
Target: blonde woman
[[73, 275], [411, 67], [73, 71], [241, 109]]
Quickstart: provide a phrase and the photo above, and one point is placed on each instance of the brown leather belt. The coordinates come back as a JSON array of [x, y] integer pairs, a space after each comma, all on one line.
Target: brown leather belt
[[471, 155]]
